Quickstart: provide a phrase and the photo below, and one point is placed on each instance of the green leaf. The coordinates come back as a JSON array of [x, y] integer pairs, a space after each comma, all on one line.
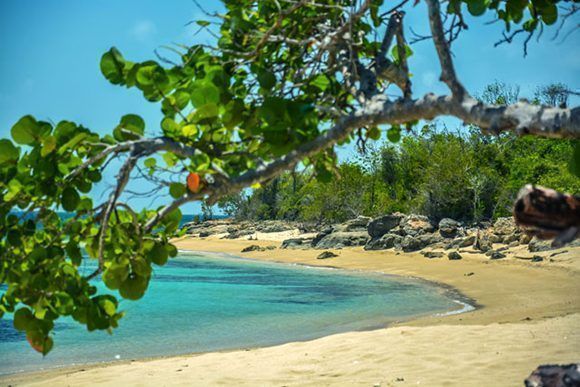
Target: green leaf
[[48, 145], [158, 254], [26, 131], [266, 79], [133, 123], [394, 134], [8, 152], [549, 14], [112, 65], [203, 93], [477, 7], [177, 190], [22, 318], [134, 287], [321, 81], [14, 188], [202, 23], [374, 133], [150, 162], [70, 199]]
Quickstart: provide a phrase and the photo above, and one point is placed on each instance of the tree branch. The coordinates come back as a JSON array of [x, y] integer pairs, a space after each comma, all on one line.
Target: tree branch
[[447, 70], [520, 118]]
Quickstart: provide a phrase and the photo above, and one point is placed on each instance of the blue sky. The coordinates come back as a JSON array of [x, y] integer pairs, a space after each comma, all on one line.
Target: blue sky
[[50, 52]]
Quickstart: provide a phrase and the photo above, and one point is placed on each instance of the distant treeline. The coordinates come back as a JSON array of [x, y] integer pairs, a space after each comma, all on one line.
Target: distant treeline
[[461, 174]]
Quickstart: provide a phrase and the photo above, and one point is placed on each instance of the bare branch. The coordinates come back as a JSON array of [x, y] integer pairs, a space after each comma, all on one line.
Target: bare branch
[[447, 69]]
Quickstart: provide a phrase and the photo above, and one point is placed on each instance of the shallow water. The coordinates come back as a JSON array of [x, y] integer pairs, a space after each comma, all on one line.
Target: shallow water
[[199, 303]]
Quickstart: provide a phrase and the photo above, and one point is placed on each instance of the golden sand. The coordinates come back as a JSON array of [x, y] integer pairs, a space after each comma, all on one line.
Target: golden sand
[[529, 315]]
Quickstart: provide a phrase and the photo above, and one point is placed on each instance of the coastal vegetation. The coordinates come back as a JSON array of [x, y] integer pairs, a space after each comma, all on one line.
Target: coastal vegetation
[[283, 82], [435, 171]]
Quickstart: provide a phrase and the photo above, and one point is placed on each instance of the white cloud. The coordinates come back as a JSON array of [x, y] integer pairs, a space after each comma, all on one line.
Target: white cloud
[[143, 30]]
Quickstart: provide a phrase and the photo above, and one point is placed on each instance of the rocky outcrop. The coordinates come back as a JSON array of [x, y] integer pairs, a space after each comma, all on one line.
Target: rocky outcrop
[[554, 376], [257, 248], [432, 254], [383, 224], [297, 243], [340, 239], [449, 228], [386, 241], [454, 256], [357, 224], [414, 225]]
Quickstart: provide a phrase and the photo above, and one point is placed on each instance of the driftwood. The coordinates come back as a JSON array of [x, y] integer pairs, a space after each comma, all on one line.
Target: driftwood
[[547, 214], [555, 376]]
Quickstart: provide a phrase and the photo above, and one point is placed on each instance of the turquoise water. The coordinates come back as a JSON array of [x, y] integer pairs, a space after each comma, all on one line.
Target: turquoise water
[[200, 303]]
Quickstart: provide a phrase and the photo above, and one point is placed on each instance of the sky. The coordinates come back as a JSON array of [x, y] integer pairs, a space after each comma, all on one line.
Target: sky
[[50, 53]]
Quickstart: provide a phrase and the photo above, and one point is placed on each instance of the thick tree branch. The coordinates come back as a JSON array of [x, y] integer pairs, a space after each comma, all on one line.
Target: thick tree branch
[[447, 69], [520, 118]]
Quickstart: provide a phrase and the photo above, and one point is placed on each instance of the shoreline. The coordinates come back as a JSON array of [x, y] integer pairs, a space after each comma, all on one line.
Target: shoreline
[[553, 307]]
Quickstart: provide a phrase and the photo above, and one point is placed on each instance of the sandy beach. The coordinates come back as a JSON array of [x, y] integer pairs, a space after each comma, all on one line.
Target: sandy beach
[[528, 314]]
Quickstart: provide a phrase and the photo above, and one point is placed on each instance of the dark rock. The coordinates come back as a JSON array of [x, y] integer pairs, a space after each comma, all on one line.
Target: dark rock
[[432, 254], [386, 241], [461, 242], [252, 248], [414, 225], [273, 226], [537, 245], [554, 376], [343, 239], [496, 255], [326, 254], [537, 258], [324, 232], [382, 225], [454, 256], [357, 224], [448, 228], [482, 243], [468, 274], [296, 243], [204, 234]]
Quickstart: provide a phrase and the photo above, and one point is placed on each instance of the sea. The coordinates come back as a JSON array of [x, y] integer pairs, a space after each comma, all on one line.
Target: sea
[[202, 302]]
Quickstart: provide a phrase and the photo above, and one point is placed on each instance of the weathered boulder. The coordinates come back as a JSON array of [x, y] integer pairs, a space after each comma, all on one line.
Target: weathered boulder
[[496, 254], [251, 248], [461, 242], [505, 226], [337, 240], [448, 228], [454, 256], [482, 243], [326, 255], [416, 225], [235, 234], [324, 232], [537, 245], [432, 254], [554, 376], [270, 226], [383, 224], [386, 241], [357, 224], [296, 243]]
